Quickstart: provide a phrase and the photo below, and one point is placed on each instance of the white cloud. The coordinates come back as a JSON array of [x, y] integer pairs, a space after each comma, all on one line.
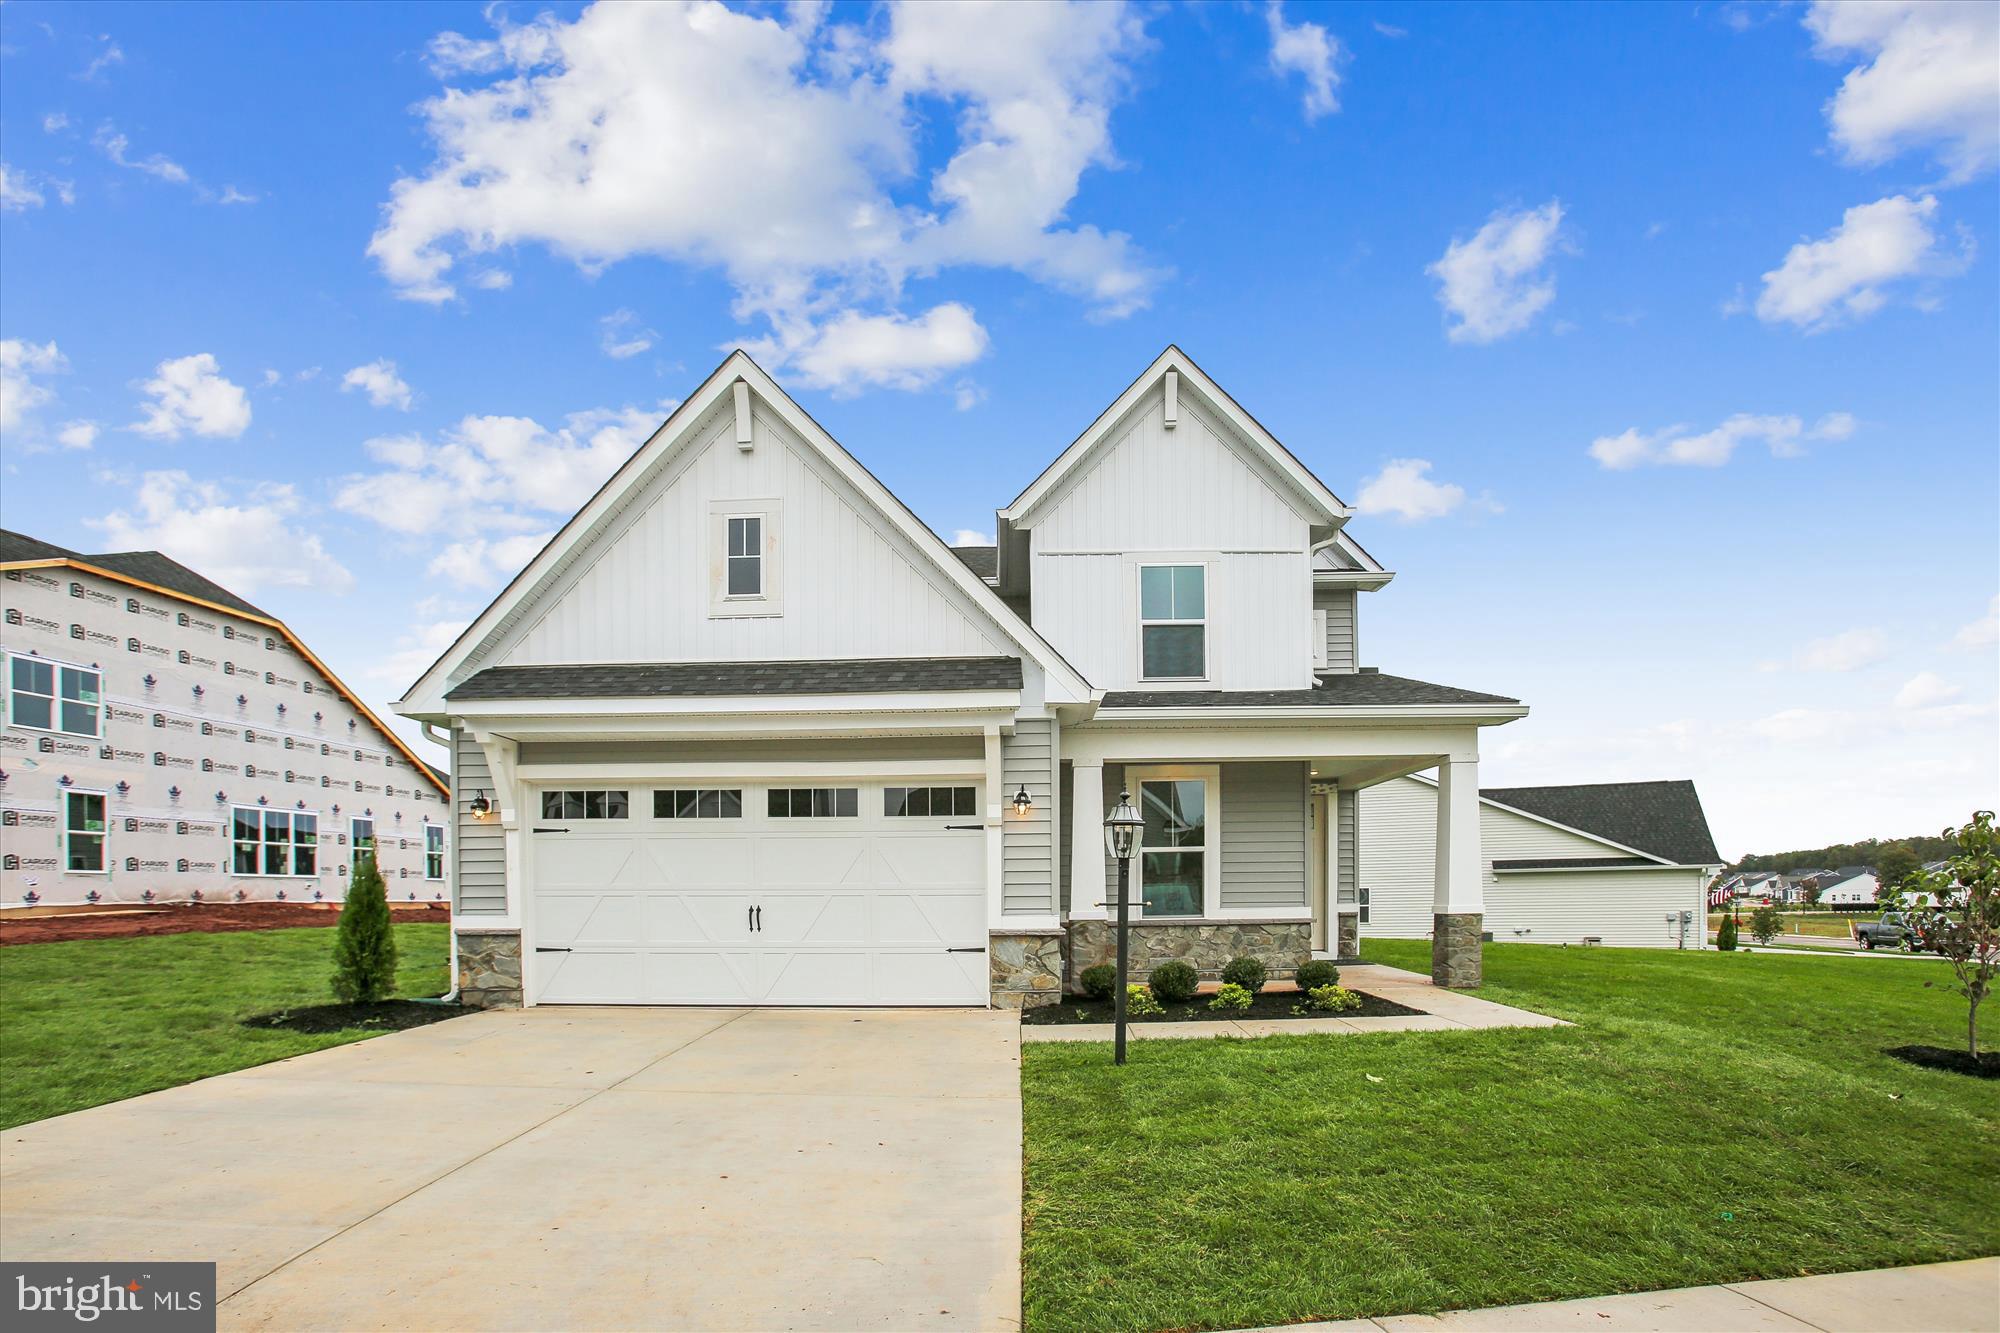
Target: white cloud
[[1849, 650], [18, 191], [971, 537], [55, 122], [1785, 436], [779, 150], [493, 475], [852, 351], [1927, 689], [415, 652], [621, 335], [480, 563], [493, 279], [118, 148], [231, 195], [1389, 30], [244, 543], [1981, 633], [22, 366], [379, 380], [1929, 80], [1495, 283], [103, 60], [1308, 50], [1402, 489], [966, 395], [77, 434], [1842, 276], [190, 394]]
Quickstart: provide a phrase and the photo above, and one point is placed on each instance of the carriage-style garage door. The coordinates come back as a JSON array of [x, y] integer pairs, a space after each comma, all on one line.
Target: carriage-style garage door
[[845, 893]]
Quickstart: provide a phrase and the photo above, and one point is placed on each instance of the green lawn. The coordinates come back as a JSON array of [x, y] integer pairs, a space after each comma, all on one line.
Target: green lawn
[[1713, 1117], [90, 1021], [1833, 925]]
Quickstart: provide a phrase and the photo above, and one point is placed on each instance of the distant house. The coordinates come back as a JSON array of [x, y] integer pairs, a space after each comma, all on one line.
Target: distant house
[[1849, 886]]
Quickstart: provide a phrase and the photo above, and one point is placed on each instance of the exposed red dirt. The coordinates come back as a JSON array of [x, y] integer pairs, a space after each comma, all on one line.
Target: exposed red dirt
[[189, 918]]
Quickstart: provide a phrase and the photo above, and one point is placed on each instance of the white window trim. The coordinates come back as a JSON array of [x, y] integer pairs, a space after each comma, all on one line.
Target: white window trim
[[770, 601], [229, 836], [1206, 564], [354, 841], [56, 703], [443, 853], [104, 846], [1210, 775]]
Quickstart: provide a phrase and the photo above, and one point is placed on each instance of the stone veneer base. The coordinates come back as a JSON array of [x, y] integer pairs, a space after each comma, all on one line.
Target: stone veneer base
[[489, 969], [1455, 946], [1209, 945], [1027, 968], [1349, 943]]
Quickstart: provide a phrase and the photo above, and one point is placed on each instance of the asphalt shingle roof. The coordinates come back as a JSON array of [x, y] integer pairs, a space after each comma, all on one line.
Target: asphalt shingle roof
[[649, 680], [981, 560], [146, 566], [1355, 689], [1659, 818]]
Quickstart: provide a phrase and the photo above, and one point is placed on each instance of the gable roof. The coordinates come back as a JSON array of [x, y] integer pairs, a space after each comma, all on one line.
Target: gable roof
[[676, 432], [1835, 878], [146, 566], [1339, 689], [154, 572], [1662, 819], [694, 680], [981, 560]]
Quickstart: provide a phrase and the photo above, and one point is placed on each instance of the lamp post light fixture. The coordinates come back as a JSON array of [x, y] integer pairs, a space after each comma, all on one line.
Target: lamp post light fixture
[[1121, 839]]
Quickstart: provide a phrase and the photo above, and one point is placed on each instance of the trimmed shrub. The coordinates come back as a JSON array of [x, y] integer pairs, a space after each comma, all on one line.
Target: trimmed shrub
[[1332, 999], [364, 946], [1314, 973], [1097, 980], [1725, 934], [1231, 996], [1175, 982], [1246, 972], [1139, 1000]]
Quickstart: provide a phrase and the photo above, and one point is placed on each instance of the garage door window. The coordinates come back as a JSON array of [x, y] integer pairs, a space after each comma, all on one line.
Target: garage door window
[[814, 802], [699, 803], [926, 802], [586, 805]]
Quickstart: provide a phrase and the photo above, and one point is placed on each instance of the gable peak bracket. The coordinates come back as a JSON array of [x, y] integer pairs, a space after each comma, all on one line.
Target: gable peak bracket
[[1171, 400], [740, 391]]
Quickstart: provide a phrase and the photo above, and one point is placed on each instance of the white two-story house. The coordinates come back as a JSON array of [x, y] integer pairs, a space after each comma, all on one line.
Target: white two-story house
[[747, 732]]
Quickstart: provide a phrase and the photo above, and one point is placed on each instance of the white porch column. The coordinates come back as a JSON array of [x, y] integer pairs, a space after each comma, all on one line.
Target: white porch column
[[1086, 842], [996, 831], [1459, 912]]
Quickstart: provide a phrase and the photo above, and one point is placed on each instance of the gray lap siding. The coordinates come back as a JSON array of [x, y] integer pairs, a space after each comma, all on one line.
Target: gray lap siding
[[1028, 844], [478, 844]]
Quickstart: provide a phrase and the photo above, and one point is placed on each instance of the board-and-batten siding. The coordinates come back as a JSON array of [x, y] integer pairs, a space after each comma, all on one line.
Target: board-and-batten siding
[[478, 844], [1338, 604], [1028, 844], [1266, 820], [1398, 867], [641, 591]]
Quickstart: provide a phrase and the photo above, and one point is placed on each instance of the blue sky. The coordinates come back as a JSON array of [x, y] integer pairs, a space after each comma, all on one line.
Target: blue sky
[[1656, 343]]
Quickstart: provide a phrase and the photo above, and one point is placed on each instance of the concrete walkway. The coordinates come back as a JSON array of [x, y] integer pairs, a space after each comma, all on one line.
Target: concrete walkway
[[568, 1168], [1930, 1298], [1440, 1010]]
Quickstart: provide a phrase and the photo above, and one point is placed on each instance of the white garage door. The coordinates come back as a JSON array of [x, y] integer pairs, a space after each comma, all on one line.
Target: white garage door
[[849, 893]]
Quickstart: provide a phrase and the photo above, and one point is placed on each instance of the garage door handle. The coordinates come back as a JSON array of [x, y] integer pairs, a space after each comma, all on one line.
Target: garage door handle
[[950, 828], [551, 830], [544, 948], [975, 948]]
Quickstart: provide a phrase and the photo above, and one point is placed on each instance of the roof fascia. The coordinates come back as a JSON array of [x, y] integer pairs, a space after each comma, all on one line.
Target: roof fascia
[[1479, 714], [284, 631]]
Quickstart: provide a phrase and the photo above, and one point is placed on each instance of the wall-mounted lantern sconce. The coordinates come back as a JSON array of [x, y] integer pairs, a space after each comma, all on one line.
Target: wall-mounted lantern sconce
[[480, 805], [1022, 801]]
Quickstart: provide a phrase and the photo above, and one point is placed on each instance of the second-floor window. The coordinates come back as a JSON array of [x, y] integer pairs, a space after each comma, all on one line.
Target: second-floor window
[[49, 696], [1173, 622]]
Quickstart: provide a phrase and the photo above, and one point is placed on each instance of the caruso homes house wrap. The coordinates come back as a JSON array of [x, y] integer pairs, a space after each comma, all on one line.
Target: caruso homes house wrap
[[166, 741], [747, 732]]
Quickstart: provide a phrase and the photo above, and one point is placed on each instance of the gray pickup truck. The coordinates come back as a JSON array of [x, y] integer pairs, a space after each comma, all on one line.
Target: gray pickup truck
[[1893, 930]]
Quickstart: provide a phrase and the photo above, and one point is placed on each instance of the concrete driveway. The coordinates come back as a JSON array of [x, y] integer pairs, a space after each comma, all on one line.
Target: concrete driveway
[[568, 1168]]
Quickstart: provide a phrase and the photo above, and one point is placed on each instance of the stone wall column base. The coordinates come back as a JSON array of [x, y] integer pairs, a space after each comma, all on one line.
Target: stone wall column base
[[1027, 968], [1348, 942], [1455, 948], [489, 968]]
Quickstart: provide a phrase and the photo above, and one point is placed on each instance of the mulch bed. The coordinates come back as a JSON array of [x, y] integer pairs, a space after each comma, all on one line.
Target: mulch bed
[[1268, 1004], [190, 918], [1954, 1060], [382, 1016]]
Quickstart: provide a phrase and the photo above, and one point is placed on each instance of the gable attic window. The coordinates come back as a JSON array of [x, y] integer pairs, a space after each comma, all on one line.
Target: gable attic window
[[1173, 622], [743, 558], [746, 556]]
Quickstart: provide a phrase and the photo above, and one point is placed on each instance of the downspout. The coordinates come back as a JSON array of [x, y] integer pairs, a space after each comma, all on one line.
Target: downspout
[[451, 994]]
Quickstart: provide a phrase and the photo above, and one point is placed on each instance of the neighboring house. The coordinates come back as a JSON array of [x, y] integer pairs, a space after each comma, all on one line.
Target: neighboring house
[[747, 732], [166, 741], [1615, 863], [1758, 884], [1849, 886]]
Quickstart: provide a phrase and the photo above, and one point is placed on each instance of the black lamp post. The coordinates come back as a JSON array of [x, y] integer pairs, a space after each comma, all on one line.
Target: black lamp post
[[1121, 837]]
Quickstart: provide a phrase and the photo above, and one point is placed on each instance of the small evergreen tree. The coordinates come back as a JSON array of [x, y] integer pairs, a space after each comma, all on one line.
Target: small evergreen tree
[[1725, 934], [364, 946]]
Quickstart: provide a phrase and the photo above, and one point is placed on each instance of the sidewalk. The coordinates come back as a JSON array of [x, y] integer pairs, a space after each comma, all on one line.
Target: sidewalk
[[1961, 1297], [1438, 1010]]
